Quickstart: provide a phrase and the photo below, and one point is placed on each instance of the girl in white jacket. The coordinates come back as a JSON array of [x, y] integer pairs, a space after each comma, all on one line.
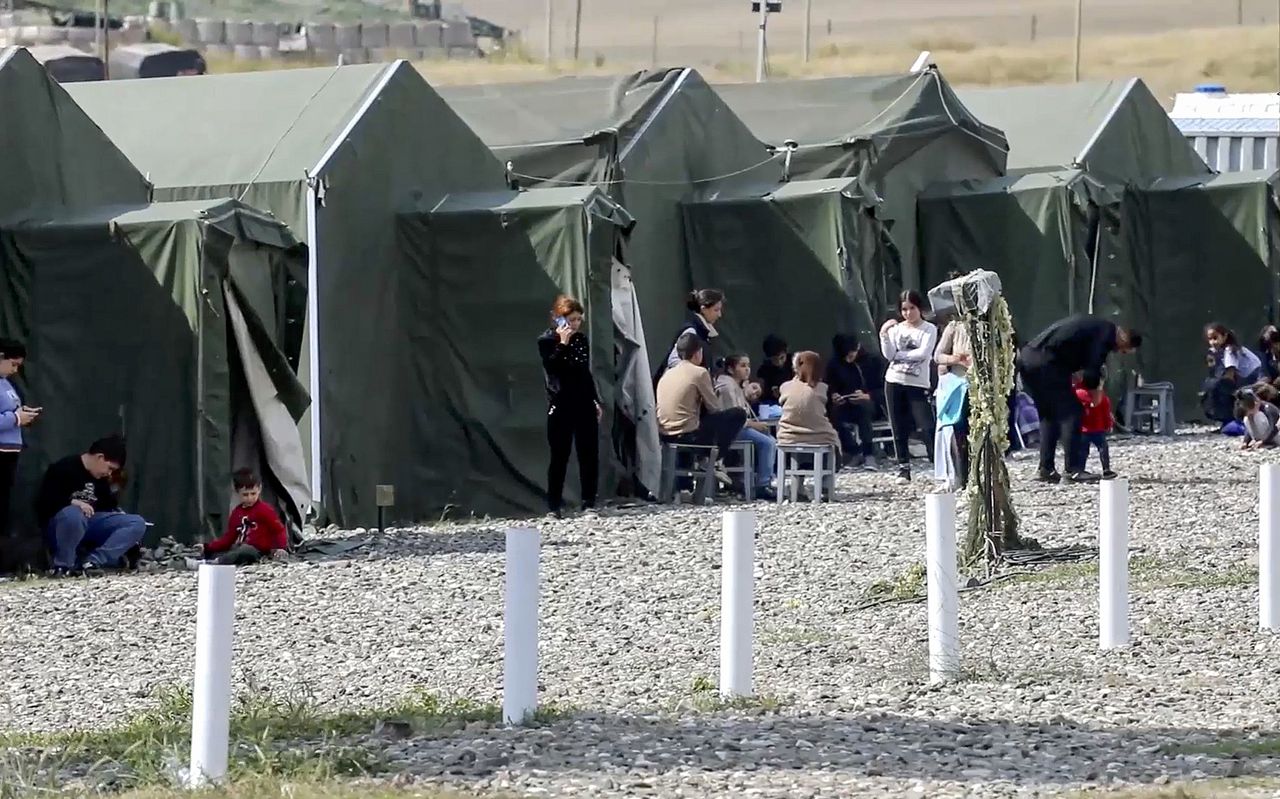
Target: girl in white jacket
[[908, 345]]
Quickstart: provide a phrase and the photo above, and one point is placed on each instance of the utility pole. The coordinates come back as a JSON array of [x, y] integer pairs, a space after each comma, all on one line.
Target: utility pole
[[551, 31], [760, 48], [577, 29], [101, 37], [653, 57], [1079, 31], [808, 29]]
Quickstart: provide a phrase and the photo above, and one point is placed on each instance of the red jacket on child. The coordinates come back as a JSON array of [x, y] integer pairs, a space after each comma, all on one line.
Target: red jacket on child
[[1097, 418], [257, 525]]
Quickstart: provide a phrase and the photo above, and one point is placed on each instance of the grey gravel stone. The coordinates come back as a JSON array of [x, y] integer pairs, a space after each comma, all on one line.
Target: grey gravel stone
[[630, 623]]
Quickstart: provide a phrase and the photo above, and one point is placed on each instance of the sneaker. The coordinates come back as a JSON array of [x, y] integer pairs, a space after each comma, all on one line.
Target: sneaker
[[854, 461], [89, 570], [904, 474], [1109, 475], [1082, 477], [871, 464], [723, 478], [766, 494], [1048, 477]]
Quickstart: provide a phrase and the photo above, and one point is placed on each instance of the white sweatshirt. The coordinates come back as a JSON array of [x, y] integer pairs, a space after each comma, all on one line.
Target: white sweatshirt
[[909, 351]]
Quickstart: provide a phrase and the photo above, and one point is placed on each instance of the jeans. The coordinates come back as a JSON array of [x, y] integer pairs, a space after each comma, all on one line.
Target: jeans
[[858, 415], [717, 429], [105, 537], [766, 449], [1099, 442]]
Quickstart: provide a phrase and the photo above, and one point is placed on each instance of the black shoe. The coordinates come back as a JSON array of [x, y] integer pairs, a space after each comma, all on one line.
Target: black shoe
[[132, 557], [766, 495], [89, 570], [1048, 477], [1109, 475], [904, 474], [1082, 477]]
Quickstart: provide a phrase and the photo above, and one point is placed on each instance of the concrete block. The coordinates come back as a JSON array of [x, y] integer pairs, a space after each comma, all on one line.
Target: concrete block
[[211, 31]]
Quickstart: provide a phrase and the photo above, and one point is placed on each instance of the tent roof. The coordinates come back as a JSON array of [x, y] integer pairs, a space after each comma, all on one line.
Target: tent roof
[[1112, 127], [211, 130], [1224, 180], [592, 199], [1010, 184], [49, 52], [830, 111], [57, 156], [786, 191], [554, 111]]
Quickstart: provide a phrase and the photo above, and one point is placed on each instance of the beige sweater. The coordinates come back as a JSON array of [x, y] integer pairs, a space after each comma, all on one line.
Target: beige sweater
[[804, 415], [683, 391], [954, 341]]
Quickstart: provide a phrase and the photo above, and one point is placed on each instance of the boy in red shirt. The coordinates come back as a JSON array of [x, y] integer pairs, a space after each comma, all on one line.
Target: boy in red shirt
[[254, 531], [1095, 425]]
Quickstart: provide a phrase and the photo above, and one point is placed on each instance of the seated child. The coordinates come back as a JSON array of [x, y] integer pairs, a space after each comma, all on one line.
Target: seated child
[[1096, 423], [254, 531], [1261, 420]]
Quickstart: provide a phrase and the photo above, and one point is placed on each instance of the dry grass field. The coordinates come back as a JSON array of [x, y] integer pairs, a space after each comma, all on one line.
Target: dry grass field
[[1172, 44]]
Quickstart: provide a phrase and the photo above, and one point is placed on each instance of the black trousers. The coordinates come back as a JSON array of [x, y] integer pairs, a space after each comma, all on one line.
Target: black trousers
[[568, 428], [8, 471], [1060, 411], [858, 415], [719, 429], [909, 410]]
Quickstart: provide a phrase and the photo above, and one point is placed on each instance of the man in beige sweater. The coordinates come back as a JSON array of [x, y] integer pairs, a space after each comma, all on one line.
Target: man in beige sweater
[[688, 409]]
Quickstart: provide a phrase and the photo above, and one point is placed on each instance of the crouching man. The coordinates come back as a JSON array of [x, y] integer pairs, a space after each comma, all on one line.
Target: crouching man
[[76, 508]]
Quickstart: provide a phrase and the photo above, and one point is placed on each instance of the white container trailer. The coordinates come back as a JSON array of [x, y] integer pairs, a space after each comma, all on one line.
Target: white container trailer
[[1231, 132]]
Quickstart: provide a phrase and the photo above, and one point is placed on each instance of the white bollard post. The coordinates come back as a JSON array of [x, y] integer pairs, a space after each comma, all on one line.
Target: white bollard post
[[1269, 546], [211, 695], [520, 651], [737, 553], [1113, 564], [942, 585]]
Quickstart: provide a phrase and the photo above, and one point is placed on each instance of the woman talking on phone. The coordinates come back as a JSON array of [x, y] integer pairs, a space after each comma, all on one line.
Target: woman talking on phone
[[908, 345], [574, 411]]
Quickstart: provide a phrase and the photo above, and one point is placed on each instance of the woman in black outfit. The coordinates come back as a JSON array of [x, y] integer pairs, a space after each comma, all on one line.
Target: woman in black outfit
[[705, 307], [574, 412]]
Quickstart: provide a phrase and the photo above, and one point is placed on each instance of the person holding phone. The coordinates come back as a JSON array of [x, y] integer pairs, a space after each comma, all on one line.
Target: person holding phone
[[574, 411], [856, 380], [908, 344], [13, 417]]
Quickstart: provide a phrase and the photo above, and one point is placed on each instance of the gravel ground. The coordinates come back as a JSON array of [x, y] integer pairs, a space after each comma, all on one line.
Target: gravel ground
[[630, 625]]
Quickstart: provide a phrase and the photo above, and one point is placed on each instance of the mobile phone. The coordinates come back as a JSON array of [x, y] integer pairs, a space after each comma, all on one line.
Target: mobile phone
[[561, 322]]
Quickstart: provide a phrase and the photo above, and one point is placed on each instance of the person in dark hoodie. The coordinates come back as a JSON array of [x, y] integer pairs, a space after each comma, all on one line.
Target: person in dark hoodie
[[855, 379], [574, 411], [1078, 343], [776, 367]]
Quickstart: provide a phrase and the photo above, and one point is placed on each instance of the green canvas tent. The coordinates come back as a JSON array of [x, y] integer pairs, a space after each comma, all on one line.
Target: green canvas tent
[[898, 133], [55, 156], [177, 324], [486, 268], [1117, 131], [335, 153], [1041, 232], [650, 140], [1050, 228], [1202, 250], [804, 260]]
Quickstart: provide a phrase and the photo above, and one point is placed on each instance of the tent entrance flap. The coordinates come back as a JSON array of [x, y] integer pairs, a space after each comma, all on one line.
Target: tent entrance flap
[[277, 432]]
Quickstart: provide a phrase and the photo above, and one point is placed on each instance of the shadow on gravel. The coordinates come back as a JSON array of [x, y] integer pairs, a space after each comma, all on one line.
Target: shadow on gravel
[[1050, 754], [425, 543]]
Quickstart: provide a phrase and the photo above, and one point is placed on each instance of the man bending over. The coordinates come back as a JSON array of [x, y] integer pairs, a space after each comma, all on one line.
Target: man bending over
[[76, 508]]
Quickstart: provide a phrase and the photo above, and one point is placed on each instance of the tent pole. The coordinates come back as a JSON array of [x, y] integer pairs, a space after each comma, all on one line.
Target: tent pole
[[1079, 32]]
